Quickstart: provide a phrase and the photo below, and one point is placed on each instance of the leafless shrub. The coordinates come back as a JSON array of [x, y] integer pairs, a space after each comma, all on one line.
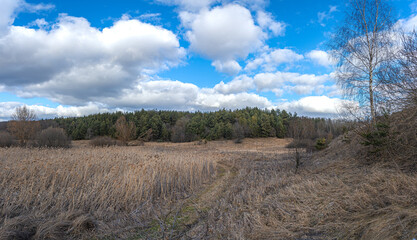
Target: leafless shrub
[[6, 140], [53, 137], [400, 78], [125, 131], [23, 126], [103, 141], [238, 133], [179, 131]]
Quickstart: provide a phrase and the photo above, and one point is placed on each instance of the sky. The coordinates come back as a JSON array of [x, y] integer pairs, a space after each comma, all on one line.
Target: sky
[[73, 58]]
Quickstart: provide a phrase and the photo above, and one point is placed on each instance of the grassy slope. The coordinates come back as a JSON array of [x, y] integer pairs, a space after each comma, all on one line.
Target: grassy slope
[[335, 196]]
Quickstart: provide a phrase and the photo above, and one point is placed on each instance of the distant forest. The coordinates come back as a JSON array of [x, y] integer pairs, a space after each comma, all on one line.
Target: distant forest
[[179, 126]]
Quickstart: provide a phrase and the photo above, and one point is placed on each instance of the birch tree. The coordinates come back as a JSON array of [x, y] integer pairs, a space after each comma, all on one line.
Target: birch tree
[[362, 46]]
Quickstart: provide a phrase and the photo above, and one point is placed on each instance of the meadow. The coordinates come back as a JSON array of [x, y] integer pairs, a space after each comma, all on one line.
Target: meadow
[[217, 190], [51, 193]]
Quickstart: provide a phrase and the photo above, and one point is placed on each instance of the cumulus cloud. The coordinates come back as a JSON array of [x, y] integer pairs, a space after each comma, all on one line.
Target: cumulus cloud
[[296, 82], [409, 24], [321, 58], [223, 34], [169, 94], [160, 94], [270, 60], [7, 14], [155, 93], [203, 99], [42, 112], [73, 62], [230, 67], [9, 9], [266, 21], [316, 106], [239, 84], [209, 100]]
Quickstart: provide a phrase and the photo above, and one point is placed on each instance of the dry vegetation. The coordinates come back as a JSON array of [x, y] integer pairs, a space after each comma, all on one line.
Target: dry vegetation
[[173, 191], [332, 197], [84, 191]]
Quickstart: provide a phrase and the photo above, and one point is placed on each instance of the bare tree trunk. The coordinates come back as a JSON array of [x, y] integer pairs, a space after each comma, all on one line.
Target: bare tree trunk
[[371, 101]]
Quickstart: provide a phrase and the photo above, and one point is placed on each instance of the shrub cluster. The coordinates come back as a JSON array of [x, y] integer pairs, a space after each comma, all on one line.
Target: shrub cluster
[[6, 140], [103, 141], [53, 137]]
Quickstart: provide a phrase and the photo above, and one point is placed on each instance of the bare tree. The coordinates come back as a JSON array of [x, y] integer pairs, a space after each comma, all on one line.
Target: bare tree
[[296, 130], [125, 131], [23, 125], [363, 46], [400, 79]]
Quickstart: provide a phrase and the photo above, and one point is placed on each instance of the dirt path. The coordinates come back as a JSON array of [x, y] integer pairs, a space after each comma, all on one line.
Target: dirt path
[[193, 224]]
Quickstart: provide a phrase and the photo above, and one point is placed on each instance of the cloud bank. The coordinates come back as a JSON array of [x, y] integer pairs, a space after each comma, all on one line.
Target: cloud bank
[[88, 70]]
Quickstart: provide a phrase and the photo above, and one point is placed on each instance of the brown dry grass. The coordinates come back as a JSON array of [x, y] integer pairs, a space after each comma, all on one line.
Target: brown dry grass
[[335, 196], [166, 190], [84, 191]]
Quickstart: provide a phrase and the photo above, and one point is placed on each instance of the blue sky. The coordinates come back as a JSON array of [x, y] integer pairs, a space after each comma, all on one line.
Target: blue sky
[[73, 58]]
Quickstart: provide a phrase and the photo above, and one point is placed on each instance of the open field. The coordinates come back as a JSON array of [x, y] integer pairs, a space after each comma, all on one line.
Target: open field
[[218, 190], [51, 192]]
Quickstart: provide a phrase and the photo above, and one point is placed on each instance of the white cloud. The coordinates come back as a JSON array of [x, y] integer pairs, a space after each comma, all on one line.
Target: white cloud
[[292, 81], [7, 14], [266, 21], [323, 16], [269, 61], [239, 84], [42, 112], [409, 24], [202, 99], [73, 62], [230, 67], [10, 8], [211, 100], [168, 94], [316, 106], [155, 93], [267, 81], [321, 57], [255, 5], [223, 34], [301, 89], [28, 7], [161, 94]]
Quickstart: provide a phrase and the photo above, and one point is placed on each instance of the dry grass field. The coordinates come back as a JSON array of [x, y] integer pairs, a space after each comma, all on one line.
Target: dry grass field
[[53, 193], [218, 190]]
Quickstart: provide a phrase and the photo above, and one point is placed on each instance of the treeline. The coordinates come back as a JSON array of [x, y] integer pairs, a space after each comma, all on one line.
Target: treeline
[[190, 126]]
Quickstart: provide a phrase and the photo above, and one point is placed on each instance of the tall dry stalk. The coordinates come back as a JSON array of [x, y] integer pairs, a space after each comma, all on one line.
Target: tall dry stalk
[[116, 187]]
